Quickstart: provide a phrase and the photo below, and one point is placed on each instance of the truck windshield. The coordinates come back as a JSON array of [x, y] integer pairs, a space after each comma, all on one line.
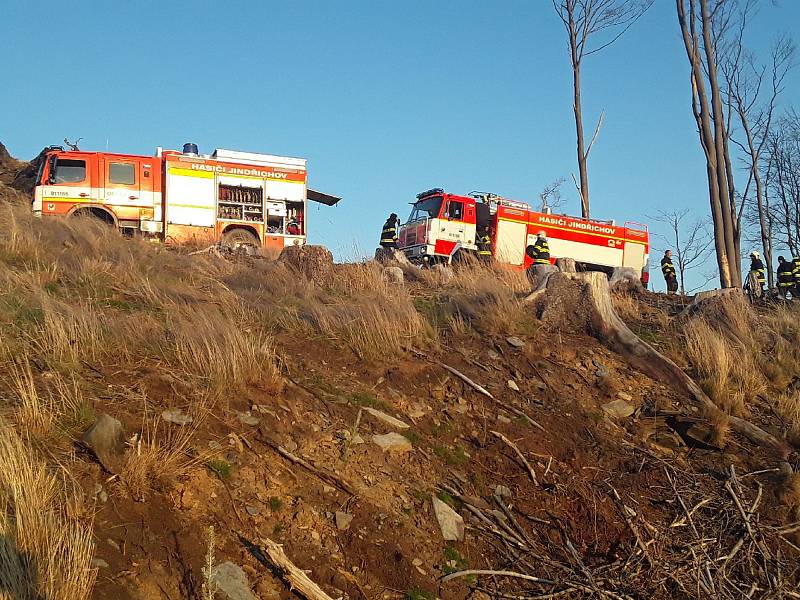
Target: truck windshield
[[426, 209]]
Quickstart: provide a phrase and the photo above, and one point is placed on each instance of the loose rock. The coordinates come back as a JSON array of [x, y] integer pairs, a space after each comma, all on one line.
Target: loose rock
[[388, 419], [450, 522], [177, 416], [232, 582], [343, 520], [393, 274], [248, 419], [99, 563], [512, 385], [106, 439], [515, 342], [619, 409], [392, 442], [625, 396]]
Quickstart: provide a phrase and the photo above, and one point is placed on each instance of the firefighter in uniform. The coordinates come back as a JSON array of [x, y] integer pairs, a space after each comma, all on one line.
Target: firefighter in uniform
[[540, 251], [484, 243], [757, 268], [389, 232], [786, 281], [796, 263], [668, 270]]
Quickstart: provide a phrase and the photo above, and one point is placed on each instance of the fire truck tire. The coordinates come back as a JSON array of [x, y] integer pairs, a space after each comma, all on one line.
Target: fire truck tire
[[94, 213], [236, 238]]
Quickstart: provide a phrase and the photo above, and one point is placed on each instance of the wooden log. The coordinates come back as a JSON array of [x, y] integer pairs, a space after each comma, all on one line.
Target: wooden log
[[273, 557]]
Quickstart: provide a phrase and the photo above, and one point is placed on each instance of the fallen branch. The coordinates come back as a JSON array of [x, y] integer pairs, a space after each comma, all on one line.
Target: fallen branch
[[274, 556], [335, 481], [468, 381], [521, 456]]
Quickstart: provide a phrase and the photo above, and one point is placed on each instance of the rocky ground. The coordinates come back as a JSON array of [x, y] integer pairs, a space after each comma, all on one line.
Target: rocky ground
[[393, 432]]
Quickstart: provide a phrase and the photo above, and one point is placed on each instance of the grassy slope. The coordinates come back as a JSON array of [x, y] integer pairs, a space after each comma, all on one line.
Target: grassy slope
[[91, 322]]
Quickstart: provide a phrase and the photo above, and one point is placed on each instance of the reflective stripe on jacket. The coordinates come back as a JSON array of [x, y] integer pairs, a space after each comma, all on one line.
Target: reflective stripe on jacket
[[540, 252], [786, 274], [484, 244], [389, 233], [667, 268], [757, 267]]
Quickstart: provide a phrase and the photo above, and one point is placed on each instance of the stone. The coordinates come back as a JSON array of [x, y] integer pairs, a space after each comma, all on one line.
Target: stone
[[342, 520], [393, 274], [388, 419], [515, 342], [625, 396], [177, 416], [602, 370], [106, 439], [618, 409], [512, 385], [392, 442], [347, 436], [450, 522], [503, 419], [214, 445], [99, 563], [248, 419], [492, 355], [252, 510], [502, 491], [232, 582]]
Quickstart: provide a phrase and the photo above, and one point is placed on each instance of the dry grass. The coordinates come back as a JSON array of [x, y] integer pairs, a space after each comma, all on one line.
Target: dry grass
[[627, 306], [44, 554], [161, 454], [221, 349], [788, 406], [727, 371]]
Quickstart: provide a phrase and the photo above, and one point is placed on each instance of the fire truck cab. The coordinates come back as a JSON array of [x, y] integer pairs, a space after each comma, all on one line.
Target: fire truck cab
[[443, 225]]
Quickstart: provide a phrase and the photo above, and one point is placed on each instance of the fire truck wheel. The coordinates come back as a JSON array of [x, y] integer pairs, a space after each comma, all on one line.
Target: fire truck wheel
[[94, 213], [236, 238]]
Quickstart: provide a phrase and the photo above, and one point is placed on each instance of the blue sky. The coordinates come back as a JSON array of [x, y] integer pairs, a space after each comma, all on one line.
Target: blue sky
[[384, 98]]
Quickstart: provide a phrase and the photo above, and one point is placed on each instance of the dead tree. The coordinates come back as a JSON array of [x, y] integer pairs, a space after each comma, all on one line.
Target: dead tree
[[703, 24], [752, 92], [783, 171], [551, 196], [603, 21], [690, 240]]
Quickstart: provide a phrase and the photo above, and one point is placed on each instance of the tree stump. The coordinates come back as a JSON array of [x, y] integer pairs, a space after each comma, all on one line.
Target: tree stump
[[583, 301], [566, 265], [315, 262]]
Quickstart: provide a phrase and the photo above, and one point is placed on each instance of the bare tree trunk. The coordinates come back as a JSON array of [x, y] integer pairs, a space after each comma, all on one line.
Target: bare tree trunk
[[578, 110], [720, 147], [709, 116]]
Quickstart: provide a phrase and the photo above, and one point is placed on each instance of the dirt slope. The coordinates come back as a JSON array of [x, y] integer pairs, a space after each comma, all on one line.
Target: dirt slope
[[634, 493]]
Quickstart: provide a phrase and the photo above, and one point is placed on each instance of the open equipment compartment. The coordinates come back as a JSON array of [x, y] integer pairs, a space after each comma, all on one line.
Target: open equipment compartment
[[238, 202]]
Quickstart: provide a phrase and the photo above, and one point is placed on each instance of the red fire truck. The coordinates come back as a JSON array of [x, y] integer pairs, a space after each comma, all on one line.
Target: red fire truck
[[441, 225], [240, 198]]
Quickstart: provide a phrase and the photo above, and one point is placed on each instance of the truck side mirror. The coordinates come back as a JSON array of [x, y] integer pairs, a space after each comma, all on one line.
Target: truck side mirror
[[51, 176]]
